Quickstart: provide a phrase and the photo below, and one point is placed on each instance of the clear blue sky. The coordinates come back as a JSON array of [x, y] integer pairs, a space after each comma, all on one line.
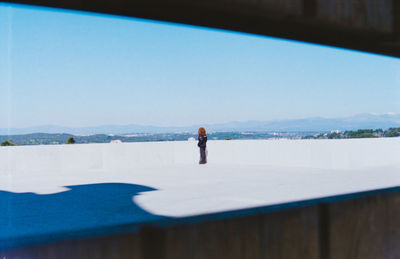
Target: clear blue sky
[[76, 69]]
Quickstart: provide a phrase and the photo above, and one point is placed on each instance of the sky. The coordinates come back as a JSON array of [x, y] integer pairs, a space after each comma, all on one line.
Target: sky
[[78, 69]]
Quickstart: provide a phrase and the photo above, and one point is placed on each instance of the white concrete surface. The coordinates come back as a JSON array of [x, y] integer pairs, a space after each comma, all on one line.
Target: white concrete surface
[[323, 154], [240, 174]]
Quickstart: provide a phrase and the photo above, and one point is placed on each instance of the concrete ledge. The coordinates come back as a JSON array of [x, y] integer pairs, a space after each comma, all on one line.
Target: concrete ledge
[[361, 225], [323, 154], [356, 24]]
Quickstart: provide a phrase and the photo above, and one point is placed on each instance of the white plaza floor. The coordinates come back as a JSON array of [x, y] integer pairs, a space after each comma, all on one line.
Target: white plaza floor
[[54, 189]]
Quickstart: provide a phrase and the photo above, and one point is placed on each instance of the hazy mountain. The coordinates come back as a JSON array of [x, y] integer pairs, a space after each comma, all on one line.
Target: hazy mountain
[[360, 121]]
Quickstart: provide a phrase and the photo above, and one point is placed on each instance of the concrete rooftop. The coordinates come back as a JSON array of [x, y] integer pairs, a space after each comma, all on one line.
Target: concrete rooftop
[[48, 190]]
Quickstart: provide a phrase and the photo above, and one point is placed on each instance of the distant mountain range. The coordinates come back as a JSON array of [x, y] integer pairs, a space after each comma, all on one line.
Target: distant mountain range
[[315, 124]]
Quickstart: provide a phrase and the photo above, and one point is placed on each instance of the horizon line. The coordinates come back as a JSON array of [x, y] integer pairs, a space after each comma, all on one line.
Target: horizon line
[[197, 125]]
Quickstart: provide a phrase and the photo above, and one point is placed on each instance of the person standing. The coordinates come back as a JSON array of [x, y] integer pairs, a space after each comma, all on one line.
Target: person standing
[[202, 145]]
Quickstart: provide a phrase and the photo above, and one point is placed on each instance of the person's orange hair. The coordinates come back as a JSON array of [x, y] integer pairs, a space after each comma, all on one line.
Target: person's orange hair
[[202, 131]]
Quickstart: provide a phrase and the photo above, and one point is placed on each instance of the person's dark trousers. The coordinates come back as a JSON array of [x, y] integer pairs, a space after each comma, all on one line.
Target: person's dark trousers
[[203, 158]]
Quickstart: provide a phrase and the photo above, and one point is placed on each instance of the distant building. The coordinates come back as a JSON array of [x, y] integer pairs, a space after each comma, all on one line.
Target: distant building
[[191, 139], [115, 141]]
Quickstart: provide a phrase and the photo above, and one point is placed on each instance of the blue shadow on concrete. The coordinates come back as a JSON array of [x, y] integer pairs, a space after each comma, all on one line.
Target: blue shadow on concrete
[[28, 218]]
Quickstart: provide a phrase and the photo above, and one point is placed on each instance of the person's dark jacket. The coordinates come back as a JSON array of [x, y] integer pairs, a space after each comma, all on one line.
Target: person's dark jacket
[[202, 141]]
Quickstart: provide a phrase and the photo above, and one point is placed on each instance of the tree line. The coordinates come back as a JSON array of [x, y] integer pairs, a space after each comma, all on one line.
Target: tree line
[[361, 133]]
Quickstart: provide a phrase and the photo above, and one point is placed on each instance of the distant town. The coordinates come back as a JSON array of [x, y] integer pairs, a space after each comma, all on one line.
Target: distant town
[[361, 133], [57, 139]]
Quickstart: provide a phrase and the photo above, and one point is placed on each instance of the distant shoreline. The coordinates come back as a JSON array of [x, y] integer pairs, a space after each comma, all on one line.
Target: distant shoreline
[[56, 139], [61, 138]]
